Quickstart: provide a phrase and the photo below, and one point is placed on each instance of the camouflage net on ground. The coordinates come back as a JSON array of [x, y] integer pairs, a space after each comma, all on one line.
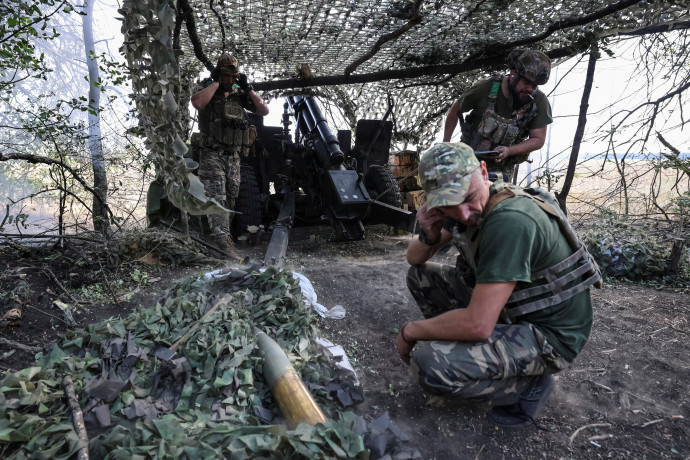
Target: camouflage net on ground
[[635, 252], [218, 406], [157, 247]]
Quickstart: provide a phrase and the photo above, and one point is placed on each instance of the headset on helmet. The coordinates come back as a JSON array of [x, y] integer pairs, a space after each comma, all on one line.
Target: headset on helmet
[[530, 64]]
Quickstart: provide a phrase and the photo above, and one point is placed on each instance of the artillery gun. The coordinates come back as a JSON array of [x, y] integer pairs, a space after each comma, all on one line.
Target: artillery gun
[[318, 178]]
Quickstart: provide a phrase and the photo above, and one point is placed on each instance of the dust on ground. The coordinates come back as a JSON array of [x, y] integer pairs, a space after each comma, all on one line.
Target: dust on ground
[[625, 397]]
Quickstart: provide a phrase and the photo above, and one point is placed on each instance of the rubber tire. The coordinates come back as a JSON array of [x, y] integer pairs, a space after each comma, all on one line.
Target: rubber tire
[[248, 202], [379, 180]]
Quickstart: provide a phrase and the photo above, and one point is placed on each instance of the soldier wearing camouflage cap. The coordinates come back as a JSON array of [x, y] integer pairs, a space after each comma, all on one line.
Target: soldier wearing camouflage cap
[[225, 135], [487, 335], [508, 114]]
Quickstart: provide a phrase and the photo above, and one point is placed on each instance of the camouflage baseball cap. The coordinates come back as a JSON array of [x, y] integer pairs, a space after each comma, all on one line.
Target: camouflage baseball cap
[[228, 64], [445, 172], [531, 64]]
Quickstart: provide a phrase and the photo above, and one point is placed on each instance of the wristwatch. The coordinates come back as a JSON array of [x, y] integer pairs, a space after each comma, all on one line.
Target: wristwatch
[[425, 239]]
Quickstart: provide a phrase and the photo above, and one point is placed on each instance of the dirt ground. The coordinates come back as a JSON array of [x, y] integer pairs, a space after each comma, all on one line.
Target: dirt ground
[[626, 396]]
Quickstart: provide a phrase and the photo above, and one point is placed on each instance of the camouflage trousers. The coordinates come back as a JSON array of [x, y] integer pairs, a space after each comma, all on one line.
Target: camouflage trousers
[[220, 174], [493, 371]]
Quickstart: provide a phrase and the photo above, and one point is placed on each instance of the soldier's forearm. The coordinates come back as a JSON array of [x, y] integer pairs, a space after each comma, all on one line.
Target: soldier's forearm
[[259, 103], [200, 99], [526, 147]]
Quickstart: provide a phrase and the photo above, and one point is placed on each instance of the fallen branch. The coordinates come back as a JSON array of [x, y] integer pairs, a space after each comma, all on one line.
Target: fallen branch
[[55, 237], [479, 453], [653, 422], [598, 385], [198, 240], [600, 437], [107, 283], [21, 346], [593, 425], [641, 399], [591, 369], [48, 314], [51, 275], [77, 418], [677, 329]]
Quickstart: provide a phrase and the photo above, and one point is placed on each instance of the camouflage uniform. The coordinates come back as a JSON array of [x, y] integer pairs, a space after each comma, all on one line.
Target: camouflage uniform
[[495, 370], [491, 371], [224, 137]]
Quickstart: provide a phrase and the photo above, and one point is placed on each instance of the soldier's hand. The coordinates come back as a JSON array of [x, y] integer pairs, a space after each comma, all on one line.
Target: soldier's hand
[[215, 74], [430, 221], [404, 347], [242, 83], [503, 153]]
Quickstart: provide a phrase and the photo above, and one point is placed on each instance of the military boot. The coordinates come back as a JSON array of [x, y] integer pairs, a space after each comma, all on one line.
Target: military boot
[[223, 241], [530, 404]]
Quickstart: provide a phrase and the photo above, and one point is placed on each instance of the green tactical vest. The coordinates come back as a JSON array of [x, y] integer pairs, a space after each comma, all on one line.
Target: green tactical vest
[[493, 130], [548, 288], [223, 125]]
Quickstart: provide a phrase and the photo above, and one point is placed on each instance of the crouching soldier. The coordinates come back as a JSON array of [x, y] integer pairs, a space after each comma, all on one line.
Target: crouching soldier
[[514, 310]]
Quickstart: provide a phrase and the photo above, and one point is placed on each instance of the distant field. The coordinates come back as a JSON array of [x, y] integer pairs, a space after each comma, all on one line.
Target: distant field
[[597, 184]]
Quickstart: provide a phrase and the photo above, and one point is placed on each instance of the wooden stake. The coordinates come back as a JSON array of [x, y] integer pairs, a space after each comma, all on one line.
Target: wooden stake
[[77, 418]]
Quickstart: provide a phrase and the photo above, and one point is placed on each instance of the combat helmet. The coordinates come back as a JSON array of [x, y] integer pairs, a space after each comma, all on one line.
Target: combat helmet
[[228, 64], [530, 64]]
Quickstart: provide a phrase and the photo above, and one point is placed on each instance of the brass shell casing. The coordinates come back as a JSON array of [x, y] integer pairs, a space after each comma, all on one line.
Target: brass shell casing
[[295, 401]]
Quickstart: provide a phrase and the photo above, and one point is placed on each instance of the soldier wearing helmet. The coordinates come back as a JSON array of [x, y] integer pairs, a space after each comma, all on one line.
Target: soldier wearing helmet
[[515, 309], [225, 135], [508, 114]]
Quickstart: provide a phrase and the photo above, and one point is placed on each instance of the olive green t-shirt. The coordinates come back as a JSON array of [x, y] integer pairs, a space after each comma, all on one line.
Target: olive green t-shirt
[[477, 98], [516, 239]]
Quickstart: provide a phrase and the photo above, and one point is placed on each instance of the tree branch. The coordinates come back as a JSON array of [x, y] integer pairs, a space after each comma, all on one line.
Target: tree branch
[[33, 159], [490, 56], [580, 131], [415, 20], [77, 418], [188, 15]]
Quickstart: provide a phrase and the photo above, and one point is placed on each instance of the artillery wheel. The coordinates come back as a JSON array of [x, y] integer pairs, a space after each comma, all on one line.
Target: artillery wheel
[[248, 202], [382, 186]]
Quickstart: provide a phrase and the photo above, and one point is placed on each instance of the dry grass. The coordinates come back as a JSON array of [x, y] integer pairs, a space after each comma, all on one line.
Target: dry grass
[[597, 185]]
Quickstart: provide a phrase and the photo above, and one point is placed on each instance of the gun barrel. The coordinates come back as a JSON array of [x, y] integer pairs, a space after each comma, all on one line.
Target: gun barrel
[[310, 120]]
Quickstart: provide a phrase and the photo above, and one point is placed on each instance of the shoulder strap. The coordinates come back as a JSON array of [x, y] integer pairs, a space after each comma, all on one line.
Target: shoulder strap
[[539, 197], [502, 194], [493, 92]]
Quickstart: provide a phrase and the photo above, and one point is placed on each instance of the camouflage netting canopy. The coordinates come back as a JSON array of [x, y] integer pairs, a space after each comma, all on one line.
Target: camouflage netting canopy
[[421, 53]]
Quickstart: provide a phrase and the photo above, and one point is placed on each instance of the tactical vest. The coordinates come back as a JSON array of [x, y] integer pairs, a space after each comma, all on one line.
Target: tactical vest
[[547, 287], [493, 130], [222, 124]]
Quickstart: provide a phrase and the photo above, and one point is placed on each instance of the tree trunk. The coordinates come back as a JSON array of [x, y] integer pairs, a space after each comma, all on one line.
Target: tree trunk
[[562, 196], [100, 179], [676, 250]]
